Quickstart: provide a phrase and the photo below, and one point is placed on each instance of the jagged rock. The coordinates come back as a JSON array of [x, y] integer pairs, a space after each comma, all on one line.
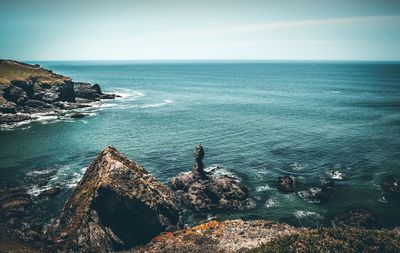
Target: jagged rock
[[116, 205], [87, 91], [286, 184], [319, 194], [206, 192], [50, 193], [15, 94], [227, 237], [55, 92], [25, 85], [356, 218], [7, 106]]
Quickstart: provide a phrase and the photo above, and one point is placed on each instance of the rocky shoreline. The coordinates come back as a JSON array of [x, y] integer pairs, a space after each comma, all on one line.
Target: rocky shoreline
[[28, 91], [119, 206]]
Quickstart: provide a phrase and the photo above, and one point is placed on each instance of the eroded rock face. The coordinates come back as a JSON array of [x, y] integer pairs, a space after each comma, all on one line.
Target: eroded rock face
[[206, 192], [116, 205]]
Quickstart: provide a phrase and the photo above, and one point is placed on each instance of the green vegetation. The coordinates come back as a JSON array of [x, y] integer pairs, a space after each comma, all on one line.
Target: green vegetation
[[338, 239], [12, 70]]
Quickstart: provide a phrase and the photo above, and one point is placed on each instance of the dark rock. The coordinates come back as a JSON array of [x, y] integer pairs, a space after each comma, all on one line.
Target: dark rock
[[69, 105], [108, 96], [319, 194], [10, 118], [25, 85], [286, 184], [206, 192], [7, 106], [15, 199], [356, 218], [87, 91], [55, 92], [78, 115], [50, 193], [15, 94], [116, 205], [198, 167], [391, 186]]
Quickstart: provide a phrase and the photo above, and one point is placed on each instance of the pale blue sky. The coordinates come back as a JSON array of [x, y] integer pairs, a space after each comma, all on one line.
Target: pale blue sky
[[151, 30]]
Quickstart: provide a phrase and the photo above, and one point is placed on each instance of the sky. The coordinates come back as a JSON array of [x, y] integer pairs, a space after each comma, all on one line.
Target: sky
[[40, 30]]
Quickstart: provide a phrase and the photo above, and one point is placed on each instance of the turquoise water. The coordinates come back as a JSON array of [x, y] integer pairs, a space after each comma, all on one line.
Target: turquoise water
[[257, 120]]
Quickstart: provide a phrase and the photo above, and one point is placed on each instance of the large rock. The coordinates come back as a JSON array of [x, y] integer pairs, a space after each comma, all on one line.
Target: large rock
[[207, 192], [116, 205], [87, 91]]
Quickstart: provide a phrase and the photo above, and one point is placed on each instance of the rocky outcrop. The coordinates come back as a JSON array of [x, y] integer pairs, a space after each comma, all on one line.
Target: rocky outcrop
[[286, 184], [26, 89], [116, 205], [228, 236], [207, 192]]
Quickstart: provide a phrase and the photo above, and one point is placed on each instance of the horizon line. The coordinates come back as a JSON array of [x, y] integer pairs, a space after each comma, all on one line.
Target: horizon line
[[206, 60]]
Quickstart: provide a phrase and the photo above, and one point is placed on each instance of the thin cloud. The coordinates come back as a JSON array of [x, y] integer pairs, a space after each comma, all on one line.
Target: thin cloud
[[298, 24]]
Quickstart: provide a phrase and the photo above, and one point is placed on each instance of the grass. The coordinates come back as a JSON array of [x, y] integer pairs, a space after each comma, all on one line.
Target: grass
[[337, 239], [12, 70]]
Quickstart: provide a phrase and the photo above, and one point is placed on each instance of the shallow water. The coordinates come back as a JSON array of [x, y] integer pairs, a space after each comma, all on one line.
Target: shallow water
[[257, 120]]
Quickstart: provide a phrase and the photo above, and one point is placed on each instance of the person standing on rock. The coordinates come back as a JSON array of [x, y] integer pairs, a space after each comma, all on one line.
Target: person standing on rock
[[198, 166]]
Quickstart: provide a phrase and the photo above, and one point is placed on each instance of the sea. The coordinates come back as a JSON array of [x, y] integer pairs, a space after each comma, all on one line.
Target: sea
[[256, 120]]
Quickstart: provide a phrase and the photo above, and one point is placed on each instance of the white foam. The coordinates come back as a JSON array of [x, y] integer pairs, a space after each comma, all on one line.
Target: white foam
[[263, 188], [297, 166], [304, 214], [218, 171], [383, 200], [164, 103], [270, 203], [128, 94], [337, 175]]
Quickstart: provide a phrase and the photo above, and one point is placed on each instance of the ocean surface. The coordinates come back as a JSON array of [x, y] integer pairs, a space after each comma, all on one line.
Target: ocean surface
[[257, 120]]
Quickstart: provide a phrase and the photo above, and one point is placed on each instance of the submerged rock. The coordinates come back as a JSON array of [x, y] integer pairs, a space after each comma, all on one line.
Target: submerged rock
[[319, 194], [356, 218], [116, 205], [50, 193], [286, 184], [206, 192], [391, 186]]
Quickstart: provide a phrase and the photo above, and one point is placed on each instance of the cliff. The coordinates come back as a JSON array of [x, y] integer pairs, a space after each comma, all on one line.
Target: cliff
[[27, 89]]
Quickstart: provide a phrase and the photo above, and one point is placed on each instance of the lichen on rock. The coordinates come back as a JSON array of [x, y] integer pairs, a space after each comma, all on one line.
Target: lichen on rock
[[116, 205]]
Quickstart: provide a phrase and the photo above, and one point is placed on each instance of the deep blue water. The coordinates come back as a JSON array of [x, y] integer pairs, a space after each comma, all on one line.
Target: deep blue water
[[258, 120]]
